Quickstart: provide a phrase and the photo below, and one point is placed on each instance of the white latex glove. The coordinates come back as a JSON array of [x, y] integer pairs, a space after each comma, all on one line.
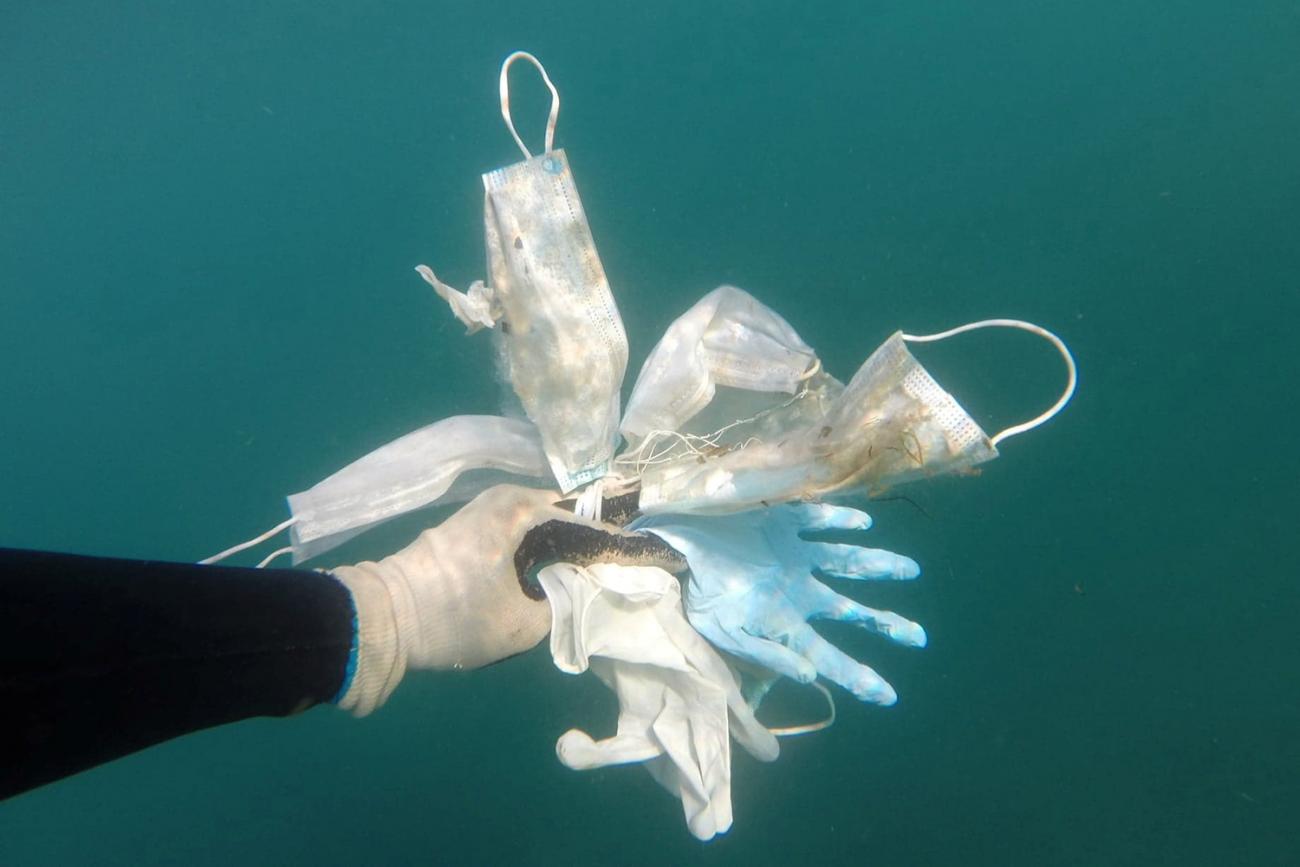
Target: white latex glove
[[678, 701], [453, 599]]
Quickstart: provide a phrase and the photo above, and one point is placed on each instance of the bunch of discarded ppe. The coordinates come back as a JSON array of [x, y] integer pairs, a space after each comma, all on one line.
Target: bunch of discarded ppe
[[733, 440]]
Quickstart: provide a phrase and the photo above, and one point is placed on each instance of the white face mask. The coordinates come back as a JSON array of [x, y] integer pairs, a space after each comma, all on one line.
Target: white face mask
[[560, 340], [892, 424], [728, 370], [450, 461], [726, 339]]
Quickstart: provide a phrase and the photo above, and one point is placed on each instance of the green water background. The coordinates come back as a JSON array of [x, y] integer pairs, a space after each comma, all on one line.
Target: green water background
[[208, 218]]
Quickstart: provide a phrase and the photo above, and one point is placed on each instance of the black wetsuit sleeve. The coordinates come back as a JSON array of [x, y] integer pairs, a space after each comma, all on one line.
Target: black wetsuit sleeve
[[102, 657]]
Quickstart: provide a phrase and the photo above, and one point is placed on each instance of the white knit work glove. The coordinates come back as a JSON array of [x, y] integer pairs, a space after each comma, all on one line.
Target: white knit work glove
[[455, 597]]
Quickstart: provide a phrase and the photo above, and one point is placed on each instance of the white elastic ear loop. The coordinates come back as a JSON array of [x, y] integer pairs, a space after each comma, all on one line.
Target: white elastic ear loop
[[505, 101], [812, 371], [279, 552], [789, 731], [256, 540], [1072, 376]]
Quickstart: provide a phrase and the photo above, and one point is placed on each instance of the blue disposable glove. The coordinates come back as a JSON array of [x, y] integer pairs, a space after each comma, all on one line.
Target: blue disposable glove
[[752, 590]]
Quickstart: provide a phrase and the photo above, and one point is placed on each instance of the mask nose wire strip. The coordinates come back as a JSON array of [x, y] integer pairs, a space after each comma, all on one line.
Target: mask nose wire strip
[[1072, 374], [243, 546], [505, 101], [807, 728]]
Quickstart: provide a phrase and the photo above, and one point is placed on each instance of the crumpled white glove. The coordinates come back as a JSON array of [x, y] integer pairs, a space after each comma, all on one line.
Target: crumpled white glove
[[678, 701], [453, 598]]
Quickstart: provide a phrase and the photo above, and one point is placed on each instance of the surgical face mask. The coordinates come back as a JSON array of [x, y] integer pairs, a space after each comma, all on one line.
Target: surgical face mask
[[727, 370], [450, 461], [559, 339], [726, 340], [892, 424]]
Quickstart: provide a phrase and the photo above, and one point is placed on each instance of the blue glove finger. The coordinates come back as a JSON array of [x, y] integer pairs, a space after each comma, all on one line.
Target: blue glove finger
[[830, 605], [735, 639], [775, 656], [852, 561], [823, 516], [835, 665]]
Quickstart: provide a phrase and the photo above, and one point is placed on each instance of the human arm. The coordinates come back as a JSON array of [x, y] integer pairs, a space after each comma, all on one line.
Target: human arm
[[102, 657]]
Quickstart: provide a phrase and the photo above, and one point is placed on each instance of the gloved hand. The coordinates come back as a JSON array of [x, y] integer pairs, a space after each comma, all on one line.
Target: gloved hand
[[454, 599], [752, 591]]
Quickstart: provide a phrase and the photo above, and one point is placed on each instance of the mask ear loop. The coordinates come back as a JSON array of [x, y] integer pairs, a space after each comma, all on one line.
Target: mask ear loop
[[813, 369], [505, 101], [806, 728], [1072, 375], [256, 540]]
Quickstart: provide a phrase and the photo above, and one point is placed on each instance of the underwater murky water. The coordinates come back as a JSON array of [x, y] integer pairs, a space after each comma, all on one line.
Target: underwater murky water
[[208, 221]]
